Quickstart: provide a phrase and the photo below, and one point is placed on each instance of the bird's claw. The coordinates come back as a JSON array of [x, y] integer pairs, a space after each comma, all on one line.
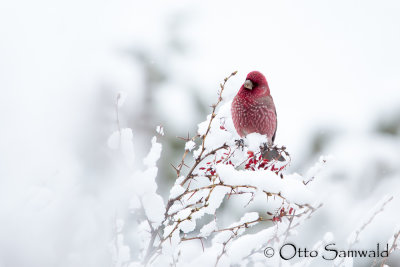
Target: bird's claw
[[264, 147], [240, 143]]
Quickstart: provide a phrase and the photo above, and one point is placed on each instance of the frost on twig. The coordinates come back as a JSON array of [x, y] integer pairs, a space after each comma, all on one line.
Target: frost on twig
[[393, 243]]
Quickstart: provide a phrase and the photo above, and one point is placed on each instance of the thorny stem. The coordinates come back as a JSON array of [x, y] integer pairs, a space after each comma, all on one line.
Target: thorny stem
[[182, 163], [214, 107], [224, 247], [233, 187], [392, 248], [211, 188], [243, 225], [150, 248], [310, 212], [213, 111], [199, 160]]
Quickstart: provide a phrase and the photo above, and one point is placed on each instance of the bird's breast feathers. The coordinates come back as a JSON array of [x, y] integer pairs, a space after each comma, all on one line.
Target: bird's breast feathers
[[254, 115]]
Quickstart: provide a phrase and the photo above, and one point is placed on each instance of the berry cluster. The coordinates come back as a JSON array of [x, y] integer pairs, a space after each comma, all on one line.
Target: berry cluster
[[257, 162], [280, 214], [210, 169]]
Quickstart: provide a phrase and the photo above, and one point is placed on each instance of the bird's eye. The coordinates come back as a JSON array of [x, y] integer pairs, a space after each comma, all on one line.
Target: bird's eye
[[248, 84]]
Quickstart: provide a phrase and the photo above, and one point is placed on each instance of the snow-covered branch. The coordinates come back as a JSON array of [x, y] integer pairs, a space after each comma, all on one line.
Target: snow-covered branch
[[191, 226]]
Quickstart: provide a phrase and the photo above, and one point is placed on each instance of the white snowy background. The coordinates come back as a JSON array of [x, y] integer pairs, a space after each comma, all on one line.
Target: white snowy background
[[333, 69]]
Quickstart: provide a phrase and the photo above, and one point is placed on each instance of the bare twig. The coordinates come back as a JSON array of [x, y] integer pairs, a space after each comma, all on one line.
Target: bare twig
[[392, 248], [213, 114]]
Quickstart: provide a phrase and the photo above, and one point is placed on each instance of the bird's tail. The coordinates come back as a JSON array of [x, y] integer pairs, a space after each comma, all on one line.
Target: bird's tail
[[272, 154]]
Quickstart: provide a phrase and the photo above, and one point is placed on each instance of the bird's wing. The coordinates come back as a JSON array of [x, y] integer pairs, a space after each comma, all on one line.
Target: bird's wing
[[268, 102], [276, 127], [237, 115]]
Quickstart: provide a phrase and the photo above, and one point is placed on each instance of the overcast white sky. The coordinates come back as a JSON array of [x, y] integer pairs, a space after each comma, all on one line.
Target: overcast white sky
[[330, 63], [326, 61]]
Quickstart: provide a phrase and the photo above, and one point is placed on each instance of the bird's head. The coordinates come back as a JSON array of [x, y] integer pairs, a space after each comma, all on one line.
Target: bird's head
[[256, 82]]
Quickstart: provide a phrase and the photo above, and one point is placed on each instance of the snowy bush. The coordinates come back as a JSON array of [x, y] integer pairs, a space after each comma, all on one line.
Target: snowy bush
[[188, 228]]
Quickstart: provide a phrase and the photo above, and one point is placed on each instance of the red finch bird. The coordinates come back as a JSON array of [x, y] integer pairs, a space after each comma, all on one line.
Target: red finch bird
[[253, 109]]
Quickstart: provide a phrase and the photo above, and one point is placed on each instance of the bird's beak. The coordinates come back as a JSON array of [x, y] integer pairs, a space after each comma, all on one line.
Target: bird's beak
[[248, 85]]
